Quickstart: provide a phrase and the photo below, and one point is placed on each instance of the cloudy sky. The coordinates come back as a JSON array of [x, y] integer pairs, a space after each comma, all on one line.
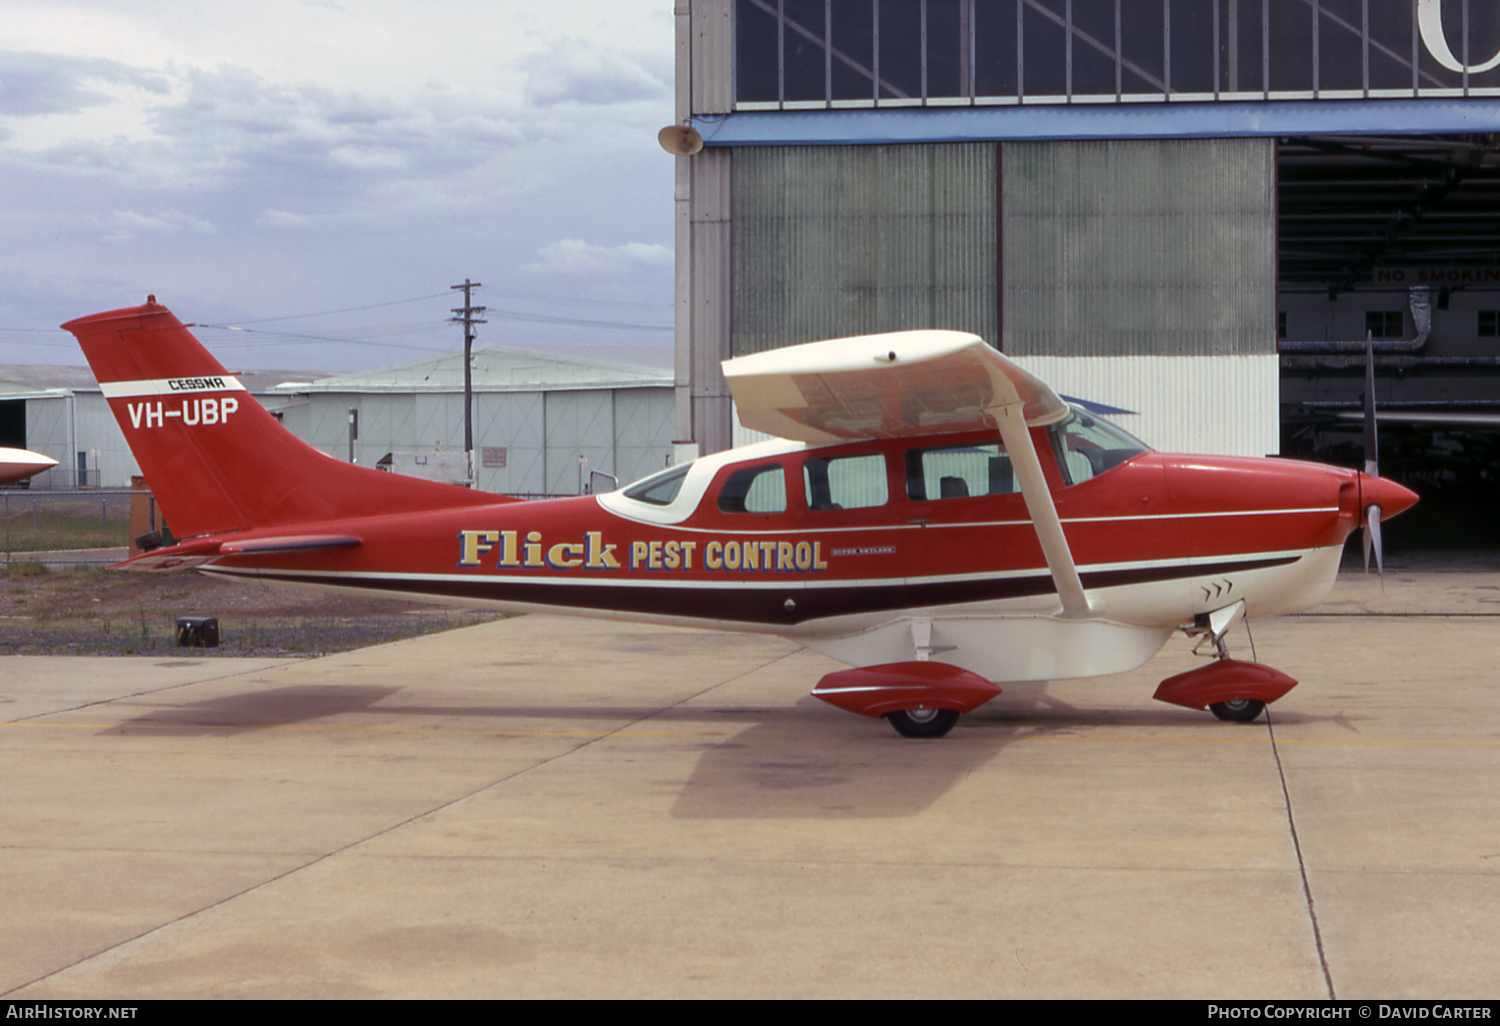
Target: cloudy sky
[[255, 164]]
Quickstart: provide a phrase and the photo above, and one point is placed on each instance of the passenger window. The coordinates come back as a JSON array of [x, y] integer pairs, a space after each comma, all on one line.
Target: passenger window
[[958, 472], [845, 482], [754, 490]]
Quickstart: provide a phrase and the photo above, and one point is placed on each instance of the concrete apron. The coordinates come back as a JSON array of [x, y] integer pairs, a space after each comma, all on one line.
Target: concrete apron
[[544, 807]]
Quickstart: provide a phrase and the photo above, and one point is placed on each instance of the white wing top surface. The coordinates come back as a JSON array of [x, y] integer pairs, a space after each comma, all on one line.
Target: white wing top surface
[[884, 386]]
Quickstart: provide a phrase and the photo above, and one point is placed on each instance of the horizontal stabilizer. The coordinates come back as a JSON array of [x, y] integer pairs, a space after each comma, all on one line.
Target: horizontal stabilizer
[[288, 543], [173, 557], [198, 551]]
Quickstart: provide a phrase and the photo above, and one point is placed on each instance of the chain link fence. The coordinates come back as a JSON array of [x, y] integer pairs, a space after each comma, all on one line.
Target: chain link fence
[[73, 522], [83, 526]]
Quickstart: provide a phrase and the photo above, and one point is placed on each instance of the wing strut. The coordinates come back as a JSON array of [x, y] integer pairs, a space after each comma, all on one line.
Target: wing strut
[[1014, 433], [908, 384]]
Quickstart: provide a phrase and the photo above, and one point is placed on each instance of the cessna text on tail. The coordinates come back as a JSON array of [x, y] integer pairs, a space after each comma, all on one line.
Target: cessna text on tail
[[930, 514]]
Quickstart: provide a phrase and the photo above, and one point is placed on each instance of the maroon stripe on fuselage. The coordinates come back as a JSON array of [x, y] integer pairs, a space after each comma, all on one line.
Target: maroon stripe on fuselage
[[735, 603]]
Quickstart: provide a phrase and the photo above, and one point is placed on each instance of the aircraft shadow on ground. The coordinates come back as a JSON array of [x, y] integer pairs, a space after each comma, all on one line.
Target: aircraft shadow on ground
[[805, 760], [254, 710], [812, 762]]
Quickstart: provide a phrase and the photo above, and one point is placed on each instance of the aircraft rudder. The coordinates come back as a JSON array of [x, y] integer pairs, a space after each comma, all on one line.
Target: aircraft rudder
[[217, 460]]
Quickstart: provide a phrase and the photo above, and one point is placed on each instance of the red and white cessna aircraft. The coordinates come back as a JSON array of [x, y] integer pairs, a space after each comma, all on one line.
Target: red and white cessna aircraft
[[931, 514]]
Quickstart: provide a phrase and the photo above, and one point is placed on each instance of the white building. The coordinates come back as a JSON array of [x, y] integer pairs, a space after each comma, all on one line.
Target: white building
[[537, 416]]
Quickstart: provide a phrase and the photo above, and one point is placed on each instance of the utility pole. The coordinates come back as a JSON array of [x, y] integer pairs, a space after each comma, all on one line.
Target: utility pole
[[469, 320]]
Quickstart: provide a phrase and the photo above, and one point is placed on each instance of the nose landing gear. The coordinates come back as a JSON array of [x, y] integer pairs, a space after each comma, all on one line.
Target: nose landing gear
[[1231, 689]]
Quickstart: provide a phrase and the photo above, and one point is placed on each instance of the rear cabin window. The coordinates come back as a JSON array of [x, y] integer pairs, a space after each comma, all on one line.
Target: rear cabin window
[[754, 490], [845, 482], [958, 472]]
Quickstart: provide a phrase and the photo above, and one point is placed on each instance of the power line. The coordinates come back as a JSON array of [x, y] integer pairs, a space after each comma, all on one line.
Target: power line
[[365, 336], [351, 309]]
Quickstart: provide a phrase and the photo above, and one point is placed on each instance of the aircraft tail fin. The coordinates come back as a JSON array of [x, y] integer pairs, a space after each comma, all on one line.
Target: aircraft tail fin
[[215, 459]]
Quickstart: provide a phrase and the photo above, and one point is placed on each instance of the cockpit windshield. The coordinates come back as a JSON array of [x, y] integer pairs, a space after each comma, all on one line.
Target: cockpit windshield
[[1087, 445]]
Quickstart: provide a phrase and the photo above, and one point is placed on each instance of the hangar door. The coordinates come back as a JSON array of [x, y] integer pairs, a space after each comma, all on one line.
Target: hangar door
[[13, 423]]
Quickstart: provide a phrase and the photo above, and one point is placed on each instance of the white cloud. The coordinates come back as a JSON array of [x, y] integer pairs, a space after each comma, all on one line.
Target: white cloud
[[294, 156], [576, 257], [285, 219], [572, 72], [41, 84], [128, 224]]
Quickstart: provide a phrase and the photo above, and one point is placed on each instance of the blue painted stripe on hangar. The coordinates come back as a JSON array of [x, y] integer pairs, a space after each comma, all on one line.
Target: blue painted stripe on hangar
[[1431, 116]]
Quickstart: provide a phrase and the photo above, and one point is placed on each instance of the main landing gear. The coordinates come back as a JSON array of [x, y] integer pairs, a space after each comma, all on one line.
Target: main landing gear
[[919, 699], [922, 722], [923, 698], [1231, 689], [1238, 710]]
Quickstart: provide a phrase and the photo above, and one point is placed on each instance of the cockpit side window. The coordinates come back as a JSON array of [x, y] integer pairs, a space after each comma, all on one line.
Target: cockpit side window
[[958, 472], [1087, 446], [759, 489], [661, 488], [845, 482]]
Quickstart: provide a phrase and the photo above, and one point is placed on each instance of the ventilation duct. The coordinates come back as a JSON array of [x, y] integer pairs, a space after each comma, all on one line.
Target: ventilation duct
[[1421, 315]]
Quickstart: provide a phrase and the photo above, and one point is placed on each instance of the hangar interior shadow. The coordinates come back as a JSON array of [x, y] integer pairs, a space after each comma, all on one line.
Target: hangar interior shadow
[[1396, 238]]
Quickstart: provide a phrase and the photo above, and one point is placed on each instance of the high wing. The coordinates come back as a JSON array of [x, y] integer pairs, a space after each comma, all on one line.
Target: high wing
[[885, 386], [912, 383]]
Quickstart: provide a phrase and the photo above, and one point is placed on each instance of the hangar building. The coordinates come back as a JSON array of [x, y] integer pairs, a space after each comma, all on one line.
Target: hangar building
[[60, 412], [537, 417], [1181, 207]]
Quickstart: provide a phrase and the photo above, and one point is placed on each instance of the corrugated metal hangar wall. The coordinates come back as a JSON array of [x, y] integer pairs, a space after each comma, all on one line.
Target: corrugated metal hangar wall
[[1141, 256], [1142, 274], [527, 442], [1091, 187], [535, 414]]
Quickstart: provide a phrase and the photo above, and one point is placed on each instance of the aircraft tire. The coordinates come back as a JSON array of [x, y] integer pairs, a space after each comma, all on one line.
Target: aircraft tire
[[923, 722], [1238, 710]]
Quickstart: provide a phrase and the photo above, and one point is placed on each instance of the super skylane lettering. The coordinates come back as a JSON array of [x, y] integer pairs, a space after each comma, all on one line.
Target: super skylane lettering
[[508, 549]]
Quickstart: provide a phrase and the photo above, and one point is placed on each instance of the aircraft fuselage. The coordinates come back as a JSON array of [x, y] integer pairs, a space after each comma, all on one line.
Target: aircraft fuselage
[[1158, 539]]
